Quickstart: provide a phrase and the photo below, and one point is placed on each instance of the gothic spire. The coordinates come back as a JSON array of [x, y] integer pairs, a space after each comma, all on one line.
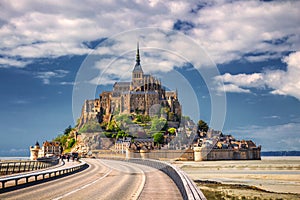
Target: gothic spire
[[137, 54], [138, 67]]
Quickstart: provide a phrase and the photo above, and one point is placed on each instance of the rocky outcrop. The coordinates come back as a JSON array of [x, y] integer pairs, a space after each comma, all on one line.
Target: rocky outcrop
[[92, 141]]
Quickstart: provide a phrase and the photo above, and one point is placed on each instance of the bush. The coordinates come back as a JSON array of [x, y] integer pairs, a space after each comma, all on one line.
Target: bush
[[158, 124], [172, 131], [158, 138], [62, 139], [71, 143]]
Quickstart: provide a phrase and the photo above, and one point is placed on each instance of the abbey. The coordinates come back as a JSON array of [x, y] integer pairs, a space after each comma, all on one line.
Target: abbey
[[144, 94]]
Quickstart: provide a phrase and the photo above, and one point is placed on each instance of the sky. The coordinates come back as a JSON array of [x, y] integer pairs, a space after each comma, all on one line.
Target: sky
[[235, 64]]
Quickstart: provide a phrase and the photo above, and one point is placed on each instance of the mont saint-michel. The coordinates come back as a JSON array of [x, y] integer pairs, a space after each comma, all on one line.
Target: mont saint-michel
[[142, 119], [144, 95]]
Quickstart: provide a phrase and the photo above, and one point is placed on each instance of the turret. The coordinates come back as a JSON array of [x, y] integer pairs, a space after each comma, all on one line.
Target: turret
[[34, 151]]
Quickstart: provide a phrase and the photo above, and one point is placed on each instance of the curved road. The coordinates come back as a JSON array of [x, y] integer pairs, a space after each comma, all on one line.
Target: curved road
[[104, 179]]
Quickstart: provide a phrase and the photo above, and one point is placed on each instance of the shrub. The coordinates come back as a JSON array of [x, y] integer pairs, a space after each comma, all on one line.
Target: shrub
[[71, 143]]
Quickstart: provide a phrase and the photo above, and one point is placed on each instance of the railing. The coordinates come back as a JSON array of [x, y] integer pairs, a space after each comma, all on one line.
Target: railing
[[7, 168], [39, 176], [186, 186]]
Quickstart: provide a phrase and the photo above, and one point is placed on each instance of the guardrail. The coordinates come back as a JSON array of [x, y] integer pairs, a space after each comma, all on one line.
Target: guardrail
[[40, 175], [7, 168], [186, 186]]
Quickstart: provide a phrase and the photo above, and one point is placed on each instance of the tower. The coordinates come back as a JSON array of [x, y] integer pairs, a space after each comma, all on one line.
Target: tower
[[137, 73], [34, 151]]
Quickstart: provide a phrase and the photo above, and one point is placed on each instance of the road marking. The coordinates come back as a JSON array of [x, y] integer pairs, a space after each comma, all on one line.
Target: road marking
[[138, 193], [141, 187], [82, 187]]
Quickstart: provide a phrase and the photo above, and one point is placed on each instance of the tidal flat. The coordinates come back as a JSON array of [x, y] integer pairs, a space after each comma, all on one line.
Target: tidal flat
[[268, 178]]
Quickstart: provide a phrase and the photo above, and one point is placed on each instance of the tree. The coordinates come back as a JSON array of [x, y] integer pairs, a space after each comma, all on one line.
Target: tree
[[158, 138], [68, 130], [158, 124], [62, 138], [121, 134], [172, 131], [202, 126], [111, 126], [71, 143]]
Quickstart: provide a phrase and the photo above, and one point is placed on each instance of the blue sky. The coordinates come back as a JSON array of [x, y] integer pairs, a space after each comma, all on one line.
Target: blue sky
[[236, 64]]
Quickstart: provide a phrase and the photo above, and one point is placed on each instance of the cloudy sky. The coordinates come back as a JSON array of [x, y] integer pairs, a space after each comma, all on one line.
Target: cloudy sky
[[236, 64]]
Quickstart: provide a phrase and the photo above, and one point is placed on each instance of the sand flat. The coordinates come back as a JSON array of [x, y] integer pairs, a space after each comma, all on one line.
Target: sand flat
[[275, 174]]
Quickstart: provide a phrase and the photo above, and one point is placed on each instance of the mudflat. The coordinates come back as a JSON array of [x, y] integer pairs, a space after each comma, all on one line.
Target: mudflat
[[268, 178]]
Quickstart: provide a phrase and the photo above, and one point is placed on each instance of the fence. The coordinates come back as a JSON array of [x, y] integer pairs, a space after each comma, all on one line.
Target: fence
[[39, 176], [7, 168]]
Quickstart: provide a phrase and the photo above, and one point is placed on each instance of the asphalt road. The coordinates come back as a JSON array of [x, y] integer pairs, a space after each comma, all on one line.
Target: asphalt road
[[104, 179]]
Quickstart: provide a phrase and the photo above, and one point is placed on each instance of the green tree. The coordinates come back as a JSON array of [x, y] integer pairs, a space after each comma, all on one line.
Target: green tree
[[158, 138], [62, 138], [172, 131], [112, 127], [68, 130], [122, 121], [71, 143], [202, 126], [158, 124], [121, 134]]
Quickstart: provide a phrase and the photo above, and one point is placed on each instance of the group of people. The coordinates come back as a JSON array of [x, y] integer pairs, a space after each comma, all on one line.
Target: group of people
[[72, 156]]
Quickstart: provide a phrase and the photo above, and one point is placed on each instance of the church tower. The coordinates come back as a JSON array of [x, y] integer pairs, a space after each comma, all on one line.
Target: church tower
[[137, 73]]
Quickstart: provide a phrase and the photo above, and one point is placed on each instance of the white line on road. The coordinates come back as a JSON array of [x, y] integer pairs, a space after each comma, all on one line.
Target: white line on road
[[138, 193], [141, 187], [82, 187]]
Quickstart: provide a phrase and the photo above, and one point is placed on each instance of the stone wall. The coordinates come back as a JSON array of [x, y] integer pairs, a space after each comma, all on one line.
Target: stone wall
[[162, 154], [226, 154], [196, 154]]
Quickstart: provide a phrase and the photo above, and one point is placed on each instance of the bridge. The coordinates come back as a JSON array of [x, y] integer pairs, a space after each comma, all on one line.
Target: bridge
[[103, 179]]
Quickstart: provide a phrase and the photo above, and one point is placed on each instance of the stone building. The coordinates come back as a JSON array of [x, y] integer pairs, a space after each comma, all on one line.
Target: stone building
[[144, 94], [201, 154], [48, 149], [51, 149], [34, 151]]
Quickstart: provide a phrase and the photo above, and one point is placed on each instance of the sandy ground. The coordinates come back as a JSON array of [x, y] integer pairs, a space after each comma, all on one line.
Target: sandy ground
[[273, 175]]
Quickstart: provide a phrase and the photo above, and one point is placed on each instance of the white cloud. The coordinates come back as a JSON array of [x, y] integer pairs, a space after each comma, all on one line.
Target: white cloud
[[46, 76], [272, 117], [248, 80], [280, 81], [232, 29], [7, 62], [67, 83], [228, 30], [286, 82], [232, 88], [21, 102]]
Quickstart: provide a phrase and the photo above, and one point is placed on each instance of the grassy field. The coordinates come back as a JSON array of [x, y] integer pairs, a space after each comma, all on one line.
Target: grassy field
[[269, 178]]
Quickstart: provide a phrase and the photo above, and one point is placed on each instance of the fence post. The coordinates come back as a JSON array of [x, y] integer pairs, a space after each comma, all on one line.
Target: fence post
[[19, 167], [7, 166], [24, 169], [13, 169]]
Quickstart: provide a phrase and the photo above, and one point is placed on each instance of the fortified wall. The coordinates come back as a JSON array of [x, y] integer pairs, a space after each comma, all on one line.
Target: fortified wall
[[196, 154], [201, 154]]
